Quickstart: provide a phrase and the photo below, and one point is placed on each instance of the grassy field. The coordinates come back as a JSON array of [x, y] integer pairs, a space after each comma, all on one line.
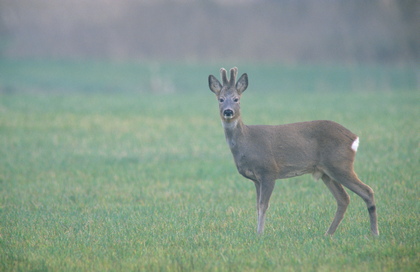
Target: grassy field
[[98, 172]]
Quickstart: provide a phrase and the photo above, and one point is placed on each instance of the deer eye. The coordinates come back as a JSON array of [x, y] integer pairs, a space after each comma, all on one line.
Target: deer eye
[[235, 99], [221, 100]]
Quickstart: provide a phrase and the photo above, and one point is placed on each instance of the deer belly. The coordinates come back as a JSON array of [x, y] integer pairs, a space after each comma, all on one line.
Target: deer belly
[[290, 172]]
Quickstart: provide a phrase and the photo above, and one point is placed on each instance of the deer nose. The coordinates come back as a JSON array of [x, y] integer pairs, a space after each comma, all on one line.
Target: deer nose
[[228, 113]]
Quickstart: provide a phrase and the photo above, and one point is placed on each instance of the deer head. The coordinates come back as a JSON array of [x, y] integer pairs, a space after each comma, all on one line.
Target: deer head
[[229, 94]]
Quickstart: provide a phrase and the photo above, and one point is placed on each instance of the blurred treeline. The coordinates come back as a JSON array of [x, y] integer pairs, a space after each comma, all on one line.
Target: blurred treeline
[[288, 31]]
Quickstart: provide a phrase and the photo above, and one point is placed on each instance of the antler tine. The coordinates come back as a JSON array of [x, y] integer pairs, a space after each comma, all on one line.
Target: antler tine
[[223, 74], [233, 73]]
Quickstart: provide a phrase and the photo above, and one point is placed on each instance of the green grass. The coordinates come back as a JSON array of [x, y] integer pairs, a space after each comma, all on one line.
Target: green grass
[[95, 180], [101, 76]]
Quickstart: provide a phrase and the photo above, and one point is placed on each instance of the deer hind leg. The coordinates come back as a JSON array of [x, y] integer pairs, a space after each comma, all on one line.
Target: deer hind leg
[[349, 179], [342, 199], [264, 190]]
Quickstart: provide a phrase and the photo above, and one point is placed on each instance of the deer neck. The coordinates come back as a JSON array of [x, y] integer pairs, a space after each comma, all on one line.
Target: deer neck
[[234, 132]]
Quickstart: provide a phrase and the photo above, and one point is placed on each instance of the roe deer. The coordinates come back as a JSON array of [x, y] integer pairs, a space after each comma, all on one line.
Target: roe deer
[[264, 154]]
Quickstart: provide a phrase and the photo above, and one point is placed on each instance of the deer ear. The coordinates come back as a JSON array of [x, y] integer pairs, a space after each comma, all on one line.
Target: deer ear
[[242, 83], [214, 85]]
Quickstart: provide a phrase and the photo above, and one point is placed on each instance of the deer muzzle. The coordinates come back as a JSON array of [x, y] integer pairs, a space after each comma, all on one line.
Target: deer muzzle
[[228, 114]]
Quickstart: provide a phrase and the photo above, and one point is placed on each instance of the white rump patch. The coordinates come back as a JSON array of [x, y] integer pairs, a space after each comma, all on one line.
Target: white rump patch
[[355, 144]]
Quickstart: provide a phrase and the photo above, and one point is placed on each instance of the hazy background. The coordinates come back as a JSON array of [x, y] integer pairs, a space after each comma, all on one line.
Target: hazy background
[[285, 31], [112, 156]]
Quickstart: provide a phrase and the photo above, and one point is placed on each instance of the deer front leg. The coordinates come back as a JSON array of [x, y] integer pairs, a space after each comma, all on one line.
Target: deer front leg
[[257, 187], [264, 190]]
